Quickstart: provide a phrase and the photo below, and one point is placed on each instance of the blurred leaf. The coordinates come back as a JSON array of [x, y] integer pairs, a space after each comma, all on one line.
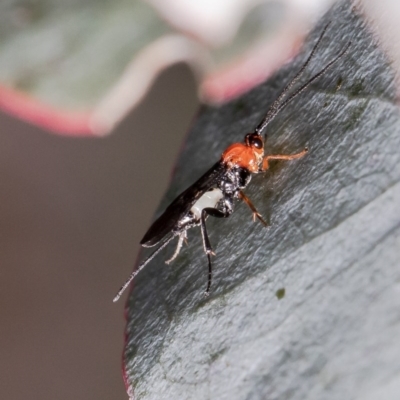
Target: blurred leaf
[[333, 245], [79, 67], [59, 58], [69, 53]]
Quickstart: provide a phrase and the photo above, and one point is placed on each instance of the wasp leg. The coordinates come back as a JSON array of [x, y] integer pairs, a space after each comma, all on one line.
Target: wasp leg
[[265, 164], [256, 214], [182, 237], [206, 241]]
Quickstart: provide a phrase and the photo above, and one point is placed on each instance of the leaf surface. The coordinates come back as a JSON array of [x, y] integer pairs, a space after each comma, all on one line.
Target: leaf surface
[[307, 308]]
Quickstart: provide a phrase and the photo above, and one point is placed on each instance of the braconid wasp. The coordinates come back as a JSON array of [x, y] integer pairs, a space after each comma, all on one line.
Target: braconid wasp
[[215, 192]]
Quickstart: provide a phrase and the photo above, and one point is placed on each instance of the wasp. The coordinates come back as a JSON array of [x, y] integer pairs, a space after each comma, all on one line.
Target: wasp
[[215, 193]]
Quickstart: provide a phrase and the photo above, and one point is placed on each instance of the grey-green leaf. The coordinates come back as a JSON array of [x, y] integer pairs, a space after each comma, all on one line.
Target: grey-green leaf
[[333, 245]]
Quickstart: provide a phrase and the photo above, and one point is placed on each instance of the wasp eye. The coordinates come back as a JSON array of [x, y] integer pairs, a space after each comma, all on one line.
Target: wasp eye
[[255, 141]]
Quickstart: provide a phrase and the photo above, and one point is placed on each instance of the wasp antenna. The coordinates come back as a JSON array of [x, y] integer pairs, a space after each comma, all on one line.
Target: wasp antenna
[[309, 82], [271, 113], [140, 267]]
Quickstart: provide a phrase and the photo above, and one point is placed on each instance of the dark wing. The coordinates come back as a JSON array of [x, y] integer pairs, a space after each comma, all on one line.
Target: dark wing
[[181, 205]]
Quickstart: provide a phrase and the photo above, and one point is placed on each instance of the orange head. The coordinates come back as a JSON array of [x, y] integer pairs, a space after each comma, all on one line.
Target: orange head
[[248, 155]]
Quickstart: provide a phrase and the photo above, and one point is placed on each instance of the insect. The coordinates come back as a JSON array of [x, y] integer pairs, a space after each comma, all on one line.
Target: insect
[[215, 193]]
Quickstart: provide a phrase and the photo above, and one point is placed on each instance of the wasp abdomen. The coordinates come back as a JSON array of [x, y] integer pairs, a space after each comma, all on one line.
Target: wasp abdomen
[[208, 200]]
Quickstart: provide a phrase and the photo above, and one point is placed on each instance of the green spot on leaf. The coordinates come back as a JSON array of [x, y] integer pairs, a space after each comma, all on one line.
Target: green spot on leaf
[[280, 293]]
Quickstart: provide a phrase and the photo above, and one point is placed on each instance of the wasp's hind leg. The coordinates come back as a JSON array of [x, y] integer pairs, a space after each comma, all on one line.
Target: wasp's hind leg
[[212, 212], [182, 237], [256, 214]]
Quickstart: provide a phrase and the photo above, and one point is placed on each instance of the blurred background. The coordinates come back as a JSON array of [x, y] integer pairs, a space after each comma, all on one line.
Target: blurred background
[[72, 213]]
